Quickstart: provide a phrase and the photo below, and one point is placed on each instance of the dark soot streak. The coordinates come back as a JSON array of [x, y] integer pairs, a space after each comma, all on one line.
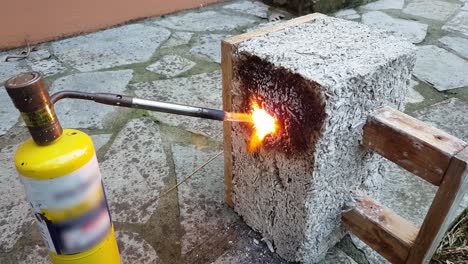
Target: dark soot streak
[[296, 102]]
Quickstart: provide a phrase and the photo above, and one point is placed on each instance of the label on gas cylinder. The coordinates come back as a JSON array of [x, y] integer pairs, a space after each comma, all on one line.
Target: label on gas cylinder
[[71, 211], [40, 117]]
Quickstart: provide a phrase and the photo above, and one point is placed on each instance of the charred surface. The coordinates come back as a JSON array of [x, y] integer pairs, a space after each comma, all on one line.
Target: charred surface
[[296, 102]]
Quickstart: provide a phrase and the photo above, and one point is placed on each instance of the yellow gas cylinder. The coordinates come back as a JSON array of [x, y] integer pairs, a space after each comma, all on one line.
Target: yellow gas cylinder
[[60, 174]]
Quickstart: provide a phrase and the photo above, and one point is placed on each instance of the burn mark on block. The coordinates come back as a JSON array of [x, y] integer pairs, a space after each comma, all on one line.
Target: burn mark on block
[[281, 167], [295, 102]]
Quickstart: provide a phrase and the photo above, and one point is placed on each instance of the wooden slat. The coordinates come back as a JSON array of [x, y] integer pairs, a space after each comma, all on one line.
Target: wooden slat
[[228, 46], [268, 29], [379, 227], [442, 211], [410, 143], [226, 68]]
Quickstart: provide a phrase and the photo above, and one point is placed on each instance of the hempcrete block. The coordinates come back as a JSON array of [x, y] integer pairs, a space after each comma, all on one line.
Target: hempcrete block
[[321, 77]]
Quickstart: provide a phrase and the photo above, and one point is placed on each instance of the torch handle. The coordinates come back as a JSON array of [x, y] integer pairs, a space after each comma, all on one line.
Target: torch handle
[[151, 105]]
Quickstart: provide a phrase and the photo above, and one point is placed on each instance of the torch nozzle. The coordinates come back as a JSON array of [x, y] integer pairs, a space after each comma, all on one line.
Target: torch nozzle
[[238, 117]]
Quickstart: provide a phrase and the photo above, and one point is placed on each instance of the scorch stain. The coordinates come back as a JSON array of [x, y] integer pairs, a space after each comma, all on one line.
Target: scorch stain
[[295, 102]]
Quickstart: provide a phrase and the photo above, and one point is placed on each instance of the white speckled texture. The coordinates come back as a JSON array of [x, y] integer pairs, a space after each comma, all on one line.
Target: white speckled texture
[[296, 201]]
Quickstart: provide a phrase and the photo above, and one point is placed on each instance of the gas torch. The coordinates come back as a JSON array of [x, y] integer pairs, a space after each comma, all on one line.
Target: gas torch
[[60, 173]]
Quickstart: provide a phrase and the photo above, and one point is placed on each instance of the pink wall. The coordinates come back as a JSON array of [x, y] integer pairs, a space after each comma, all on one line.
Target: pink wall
[[38, 21]]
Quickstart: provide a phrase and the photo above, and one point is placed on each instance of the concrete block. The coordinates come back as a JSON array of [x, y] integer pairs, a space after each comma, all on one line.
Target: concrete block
[[320, 77]]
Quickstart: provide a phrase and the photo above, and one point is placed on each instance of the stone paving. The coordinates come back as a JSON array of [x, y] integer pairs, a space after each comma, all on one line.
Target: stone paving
[[171, 66], [85, 114], [433, 64], [142, 155], [414, 31]]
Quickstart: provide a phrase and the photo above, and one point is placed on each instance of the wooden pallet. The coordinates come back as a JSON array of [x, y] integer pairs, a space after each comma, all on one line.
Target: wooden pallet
[[427, 152]]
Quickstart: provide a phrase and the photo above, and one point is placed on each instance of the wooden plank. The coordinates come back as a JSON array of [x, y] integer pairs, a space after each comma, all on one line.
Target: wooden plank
[[442, 211], [226, 68], [228, 46], [410, 143], [273, 28], [379, 227]]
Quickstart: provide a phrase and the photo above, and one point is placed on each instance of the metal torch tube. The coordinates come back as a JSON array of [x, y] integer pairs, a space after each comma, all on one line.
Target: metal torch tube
[[178, 109], [131, 102]]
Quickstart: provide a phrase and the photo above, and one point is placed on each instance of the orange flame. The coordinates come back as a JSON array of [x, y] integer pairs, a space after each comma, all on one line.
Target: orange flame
[[264, 125]]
